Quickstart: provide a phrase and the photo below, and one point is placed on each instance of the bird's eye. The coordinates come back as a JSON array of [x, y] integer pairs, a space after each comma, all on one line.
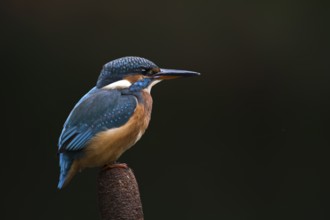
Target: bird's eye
[[146, 71], [149, 72]]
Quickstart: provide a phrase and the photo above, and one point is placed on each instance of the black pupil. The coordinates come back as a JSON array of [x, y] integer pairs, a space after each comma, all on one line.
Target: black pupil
[[146, 71]]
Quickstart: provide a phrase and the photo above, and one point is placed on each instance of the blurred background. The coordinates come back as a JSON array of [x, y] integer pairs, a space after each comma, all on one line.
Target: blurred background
[[246, 140]]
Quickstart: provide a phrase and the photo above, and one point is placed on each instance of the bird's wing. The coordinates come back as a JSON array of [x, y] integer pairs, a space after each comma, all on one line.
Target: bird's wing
[[95, 112]]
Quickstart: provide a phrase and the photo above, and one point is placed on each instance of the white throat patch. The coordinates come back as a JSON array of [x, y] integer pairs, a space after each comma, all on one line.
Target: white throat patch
[[121, 84], [148, 89]]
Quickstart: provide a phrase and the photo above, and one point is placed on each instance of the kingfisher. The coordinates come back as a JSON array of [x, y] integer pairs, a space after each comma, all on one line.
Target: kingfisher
[[111, 117]]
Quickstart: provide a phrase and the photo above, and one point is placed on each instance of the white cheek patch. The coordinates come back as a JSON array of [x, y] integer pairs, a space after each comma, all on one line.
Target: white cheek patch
[[148, 89], [121, 84]]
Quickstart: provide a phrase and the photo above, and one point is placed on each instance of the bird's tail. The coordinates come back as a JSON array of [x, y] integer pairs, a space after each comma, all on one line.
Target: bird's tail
[[68, 168]]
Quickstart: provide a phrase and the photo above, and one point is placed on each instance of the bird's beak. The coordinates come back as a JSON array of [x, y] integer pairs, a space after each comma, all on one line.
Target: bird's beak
[[173, 74]]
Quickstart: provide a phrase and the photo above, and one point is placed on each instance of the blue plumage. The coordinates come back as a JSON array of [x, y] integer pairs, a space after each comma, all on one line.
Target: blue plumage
[[140, 85], [97, 111], [65, 164], [117, 69], [104, 109], [121, 99]]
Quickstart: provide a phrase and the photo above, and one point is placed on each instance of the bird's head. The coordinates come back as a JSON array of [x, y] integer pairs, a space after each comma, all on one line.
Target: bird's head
[[136, 73]]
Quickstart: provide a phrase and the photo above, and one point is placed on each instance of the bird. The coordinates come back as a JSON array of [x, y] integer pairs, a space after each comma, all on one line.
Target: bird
[[111, 117]]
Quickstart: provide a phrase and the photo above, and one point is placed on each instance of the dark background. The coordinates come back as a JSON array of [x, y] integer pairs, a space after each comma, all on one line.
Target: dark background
[[246, 140]]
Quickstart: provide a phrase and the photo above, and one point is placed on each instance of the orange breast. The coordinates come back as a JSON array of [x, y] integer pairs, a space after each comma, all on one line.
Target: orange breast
[[108, 146]]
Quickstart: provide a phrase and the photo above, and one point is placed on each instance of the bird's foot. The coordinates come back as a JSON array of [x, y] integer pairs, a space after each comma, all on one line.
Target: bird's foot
[[115, 165]]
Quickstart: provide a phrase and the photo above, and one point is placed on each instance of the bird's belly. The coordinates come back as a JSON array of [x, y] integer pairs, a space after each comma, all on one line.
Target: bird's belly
[[107, 146]]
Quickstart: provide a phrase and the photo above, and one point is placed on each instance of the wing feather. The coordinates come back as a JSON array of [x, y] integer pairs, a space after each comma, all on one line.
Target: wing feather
[[97, 111]]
